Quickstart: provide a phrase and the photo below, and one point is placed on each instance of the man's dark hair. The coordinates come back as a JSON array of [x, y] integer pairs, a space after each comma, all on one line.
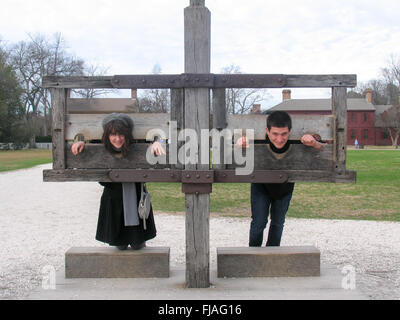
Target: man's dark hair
[[279, 119], [117, 127]]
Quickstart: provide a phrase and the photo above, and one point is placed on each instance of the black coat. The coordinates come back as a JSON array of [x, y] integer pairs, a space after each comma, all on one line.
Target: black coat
[[111, 228]]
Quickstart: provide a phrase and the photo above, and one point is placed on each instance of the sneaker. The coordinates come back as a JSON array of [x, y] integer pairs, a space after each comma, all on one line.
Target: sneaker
[[138, 246]]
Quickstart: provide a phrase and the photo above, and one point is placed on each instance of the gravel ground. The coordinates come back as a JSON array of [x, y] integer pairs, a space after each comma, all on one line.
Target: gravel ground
[[40, 221]]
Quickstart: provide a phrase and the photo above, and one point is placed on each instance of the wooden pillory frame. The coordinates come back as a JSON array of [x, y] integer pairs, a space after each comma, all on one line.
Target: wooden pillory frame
[[190, 109]]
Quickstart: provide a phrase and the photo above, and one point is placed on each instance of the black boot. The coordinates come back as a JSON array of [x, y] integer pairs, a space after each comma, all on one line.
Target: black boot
[[138, 246], [122, 248]]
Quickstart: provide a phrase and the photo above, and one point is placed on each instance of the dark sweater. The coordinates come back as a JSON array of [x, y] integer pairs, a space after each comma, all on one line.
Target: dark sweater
[[277, 191]]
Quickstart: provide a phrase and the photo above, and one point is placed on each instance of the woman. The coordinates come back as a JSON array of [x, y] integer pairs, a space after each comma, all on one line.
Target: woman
[[119, 224]]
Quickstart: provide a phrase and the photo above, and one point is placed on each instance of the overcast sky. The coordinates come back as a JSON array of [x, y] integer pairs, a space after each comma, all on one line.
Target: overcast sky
[[261, 36]]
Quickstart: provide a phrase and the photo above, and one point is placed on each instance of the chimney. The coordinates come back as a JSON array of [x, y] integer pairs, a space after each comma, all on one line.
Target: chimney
[[256, 108], [286, 95], [368, 95], [134, 94]]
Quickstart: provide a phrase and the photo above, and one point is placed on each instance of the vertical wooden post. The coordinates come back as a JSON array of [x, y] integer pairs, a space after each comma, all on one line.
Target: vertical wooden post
[[177, 115], [197, 115], [219, 123], [58, 106], [339, 111]]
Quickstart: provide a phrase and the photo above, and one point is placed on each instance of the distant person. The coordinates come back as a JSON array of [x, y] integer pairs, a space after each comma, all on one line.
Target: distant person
[[119, 223], [356, 143], [273, 199]]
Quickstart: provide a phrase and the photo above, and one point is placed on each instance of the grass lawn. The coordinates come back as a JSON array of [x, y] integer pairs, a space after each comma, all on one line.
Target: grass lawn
[[375, 196], [21, 159]]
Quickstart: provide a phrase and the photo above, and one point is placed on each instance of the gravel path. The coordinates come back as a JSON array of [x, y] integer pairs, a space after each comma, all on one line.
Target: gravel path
[[40, 221]]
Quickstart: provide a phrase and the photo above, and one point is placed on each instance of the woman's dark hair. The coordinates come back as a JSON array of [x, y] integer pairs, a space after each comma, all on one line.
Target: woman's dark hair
[[279, 119], [117, 127]]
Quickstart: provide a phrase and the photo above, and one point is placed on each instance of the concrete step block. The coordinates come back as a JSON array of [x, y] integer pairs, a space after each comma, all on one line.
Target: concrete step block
[[242, 262], [109, 262]]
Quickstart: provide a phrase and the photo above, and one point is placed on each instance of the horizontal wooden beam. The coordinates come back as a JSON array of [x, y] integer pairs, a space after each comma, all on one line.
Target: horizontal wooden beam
[[176, 81], [94, 106], [77, 82], [301, 124], [89, 125], [166, 175], [298, 157], [95, 156]]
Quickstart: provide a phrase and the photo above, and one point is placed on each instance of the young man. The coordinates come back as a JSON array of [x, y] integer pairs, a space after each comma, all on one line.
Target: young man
[[273, 199]]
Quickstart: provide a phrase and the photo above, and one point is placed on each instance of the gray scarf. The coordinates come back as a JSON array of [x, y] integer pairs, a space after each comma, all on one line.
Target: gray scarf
[[130, 201]]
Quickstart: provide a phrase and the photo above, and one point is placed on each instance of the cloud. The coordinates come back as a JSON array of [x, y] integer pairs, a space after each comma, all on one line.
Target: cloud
[[261, 36]]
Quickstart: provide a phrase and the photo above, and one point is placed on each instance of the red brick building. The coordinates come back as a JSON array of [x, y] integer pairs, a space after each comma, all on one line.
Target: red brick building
[[363, 118]]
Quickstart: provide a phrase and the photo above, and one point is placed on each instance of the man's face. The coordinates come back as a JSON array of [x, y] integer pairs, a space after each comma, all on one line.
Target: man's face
[[278, 136]]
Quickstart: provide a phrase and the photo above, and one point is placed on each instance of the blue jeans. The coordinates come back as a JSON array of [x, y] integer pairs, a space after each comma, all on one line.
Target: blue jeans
[[262, 206]]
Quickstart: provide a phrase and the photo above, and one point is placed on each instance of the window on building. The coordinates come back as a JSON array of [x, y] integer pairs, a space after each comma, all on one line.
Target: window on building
[[352, 134], [385, 135], [353, 117], [366, 134], [365, 116]]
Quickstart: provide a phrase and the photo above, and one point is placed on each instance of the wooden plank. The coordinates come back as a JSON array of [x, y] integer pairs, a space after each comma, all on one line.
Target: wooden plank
[[339, 110], [77, 82], [298, 157], [76, 175], [58, 105], [293, 261], [301, 124], [109, 105], [219, 109], [107, 262], [90, 125], [102, 175], [249, 81], [203, 79], [320, 176], [320, 81], [219, 123], [177, 116], [95, 156], [197, 21]]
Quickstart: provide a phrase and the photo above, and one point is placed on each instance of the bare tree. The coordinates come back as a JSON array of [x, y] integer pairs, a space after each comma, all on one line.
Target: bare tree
[[93, 71], [240, 101], [35, 59], [155, 100], [391, 76], [391, 123], [378, 87]]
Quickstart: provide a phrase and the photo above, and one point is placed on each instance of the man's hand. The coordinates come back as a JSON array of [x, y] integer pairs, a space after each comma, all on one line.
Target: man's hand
[[77, 147], [243, 142], [157, 149], [309, 140]]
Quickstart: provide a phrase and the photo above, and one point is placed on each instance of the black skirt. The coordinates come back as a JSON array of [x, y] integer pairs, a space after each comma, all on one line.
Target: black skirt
[[111, 227]]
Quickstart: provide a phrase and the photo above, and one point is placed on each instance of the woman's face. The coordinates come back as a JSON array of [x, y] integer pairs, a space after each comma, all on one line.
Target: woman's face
[[117, 140]]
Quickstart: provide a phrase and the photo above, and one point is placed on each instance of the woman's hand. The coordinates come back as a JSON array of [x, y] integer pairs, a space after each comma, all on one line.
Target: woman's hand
[[157, 149], [77, 147], [243, 142]]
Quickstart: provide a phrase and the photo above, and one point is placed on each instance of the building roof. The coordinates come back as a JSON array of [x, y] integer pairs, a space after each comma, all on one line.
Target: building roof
[[321, 105]]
